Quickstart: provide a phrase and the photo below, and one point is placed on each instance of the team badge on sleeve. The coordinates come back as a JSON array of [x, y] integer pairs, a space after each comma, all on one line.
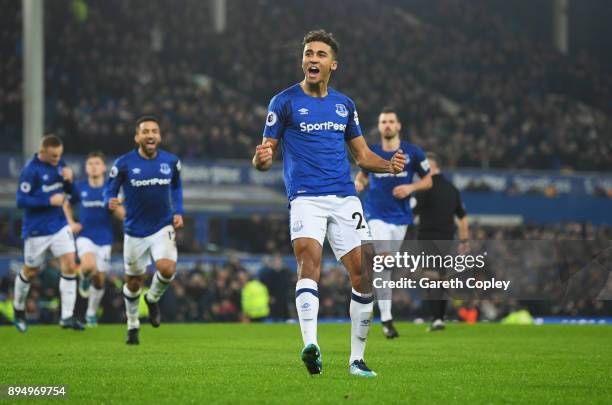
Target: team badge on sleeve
[[271, 118], [25, 187], [425, 165], [178, 165], [356, 117], [113, 172]]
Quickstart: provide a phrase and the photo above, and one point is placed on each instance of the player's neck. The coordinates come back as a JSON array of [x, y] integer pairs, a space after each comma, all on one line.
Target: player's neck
[[145, 156], [391, 145], [96, 181], [314, 90]]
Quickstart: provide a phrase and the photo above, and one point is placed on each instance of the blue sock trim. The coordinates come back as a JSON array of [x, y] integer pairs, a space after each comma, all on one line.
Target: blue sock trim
[[131, 299], [361, 300], [306, 290], [160, 279]]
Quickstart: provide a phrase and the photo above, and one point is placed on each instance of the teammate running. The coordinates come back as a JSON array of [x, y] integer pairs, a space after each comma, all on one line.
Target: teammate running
[[387, 206], [313, 122], [151, 182], [95, 233], [43, 184]]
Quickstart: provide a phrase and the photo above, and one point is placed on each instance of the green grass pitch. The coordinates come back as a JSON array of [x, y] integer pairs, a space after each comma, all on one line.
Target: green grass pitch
[[259, 363]]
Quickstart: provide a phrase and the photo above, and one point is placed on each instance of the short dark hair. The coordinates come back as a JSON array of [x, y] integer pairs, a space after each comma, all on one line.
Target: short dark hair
[[50, 141], [146, 118], [390, 110], [433, 156], [96, 154], [322, 36]]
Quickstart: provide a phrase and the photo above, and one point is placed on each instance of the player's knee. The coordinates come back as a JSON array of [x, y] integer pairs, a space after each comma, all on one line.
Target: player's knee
[[167, 268], [30, 272], [88, 266], [68, 265], [134, 283]]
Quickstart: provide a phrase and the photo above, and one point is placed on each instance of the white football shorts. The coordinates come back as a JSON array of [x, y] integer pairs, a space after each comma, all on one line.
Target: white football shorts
[[60, 243], [102, 252], [137, 252], [339, 218]]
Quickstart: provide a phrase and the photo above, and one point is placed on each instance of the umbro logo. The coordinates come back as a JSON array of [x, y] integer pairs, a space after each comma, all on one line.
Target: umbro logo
[[136, 170], [45, 177], [303, 111]]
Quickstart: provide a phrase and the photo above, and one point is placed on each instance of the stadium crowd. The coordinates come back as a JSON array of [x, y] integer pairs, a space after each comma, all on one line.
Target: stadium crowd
[[467, 81], [212, 292]]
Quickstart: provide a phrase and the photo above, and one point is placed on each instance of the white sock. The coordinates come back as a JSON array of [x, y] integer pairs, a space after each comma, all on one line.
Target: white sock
[[68, 294], [361, 309], [307, 304], [22, 287], [95, 296], [384, 297], [158, 286], [132, 300]]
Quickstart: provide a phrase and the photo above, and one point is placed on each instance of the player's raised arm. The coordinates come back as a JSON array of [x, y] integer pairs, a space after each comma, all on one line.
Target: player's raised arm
[[264, 154], [370, 161]]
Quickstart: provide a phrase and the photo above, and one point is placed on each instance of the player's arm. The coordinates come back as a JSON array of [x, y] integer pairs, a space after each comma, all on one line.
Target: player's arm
[[68, 211], [370, 161], [176, 187], [405, 190], [264, 154], [273, 131], [119, 213], [28, 195], [420, 164], [361, 181], [68, 176], [116, 178]]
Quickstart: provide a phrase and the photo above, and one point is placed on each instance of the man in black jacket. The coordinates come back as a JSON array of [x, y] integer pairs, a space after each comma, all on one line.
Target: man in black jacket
[[437, 209]]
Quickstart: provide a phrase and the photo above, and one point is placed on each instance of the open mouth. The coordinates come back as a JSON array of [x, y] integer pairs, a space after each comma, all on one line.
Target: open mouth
[[313, 71]]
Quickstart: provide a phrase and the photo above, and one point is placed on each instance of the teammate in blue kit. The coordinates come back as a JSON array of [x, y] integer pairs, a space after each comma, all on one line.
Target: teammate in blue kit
[[43, 185], [151, 182], [313, 122], [95, 233], [387, 206]]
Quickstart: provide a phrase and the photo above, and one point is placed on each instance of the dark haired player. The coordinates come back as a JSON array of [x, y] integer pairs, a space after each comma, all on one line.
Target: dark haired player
[[95, 233], [313, 122], [43, 185], [151, 182], [387, 206]]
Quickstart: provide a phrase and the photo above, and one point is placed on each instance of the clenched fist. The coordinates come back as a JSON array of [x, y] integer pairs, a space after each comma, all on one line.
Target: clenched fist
[[263, 156], [67, 174], [114, 203], [398, 161]]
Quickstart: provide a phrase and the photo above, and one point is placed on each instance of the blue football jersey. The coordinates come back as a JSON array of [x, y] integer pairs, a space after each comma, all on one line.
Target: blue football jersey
[[37, 183], [152, 191], [380, 203], [312, 132], [93, 216]]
